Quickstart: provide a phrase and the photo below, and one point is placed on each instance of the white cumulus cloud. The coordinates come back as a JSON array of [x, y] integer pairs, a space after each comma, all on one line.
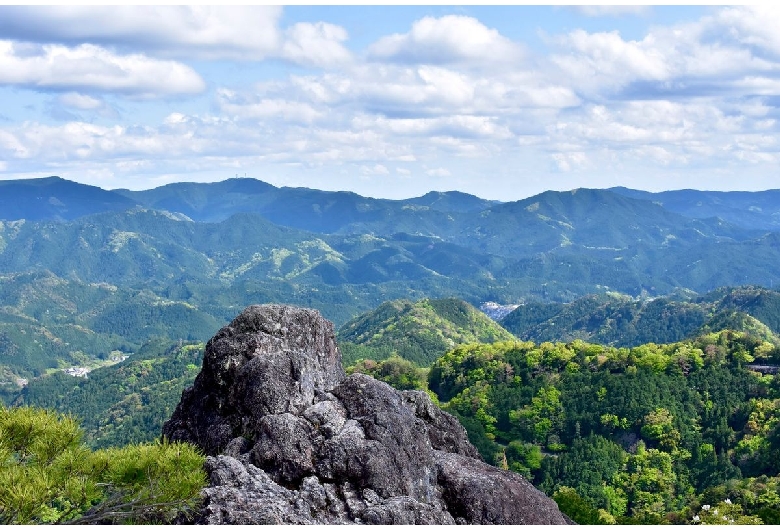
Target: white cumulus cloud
[[238, 33], [721, 53], [317, 44], [255, 106], [449, 39], [377, 169], [91, 67], [754, 25], [242, 32], [80, 101]]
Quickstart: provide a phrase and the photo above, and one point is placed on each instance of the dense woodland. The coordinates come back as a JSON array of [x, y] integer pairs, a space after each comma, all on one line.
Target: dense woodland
[[85, 272], [417, 331], [126, 403], [620, 320], [647, 434], [616, 386], [643, 434]]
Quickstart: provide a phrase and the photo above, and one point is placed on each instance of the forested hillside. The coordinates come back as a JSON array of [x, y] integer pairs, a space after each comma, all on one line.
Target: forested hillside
[[121, 404], [642, 435], [619, 320], [416, 331], [74, 291], [639, 384]]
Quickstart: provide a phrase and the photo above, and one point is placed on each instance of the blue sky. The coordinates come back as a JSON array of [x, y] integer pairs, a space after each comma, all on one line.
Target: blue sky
[[502, 102]]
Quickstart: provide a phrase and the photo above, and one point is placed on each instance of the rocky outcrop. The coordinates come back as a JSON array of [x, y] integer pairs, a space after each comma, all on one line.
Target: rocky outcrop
[[292, 440]]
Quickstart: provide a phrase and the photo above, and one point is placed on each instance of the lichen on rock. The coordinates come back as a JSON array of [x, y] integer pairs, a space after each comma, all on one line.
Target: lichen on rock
[[292, 440]]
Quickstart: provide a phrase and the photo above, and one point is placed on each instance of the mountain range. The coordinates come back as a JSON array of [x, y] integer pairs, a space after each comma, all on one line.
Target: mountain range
[[85, 271], [128, 401], [131, 284], [54, 198], [759, 210], [555, 245]]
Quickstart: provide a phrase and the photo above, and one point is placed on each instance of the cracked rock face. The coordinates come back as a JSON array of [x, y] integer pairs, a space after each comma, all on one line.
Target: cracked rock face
[[292, 440]]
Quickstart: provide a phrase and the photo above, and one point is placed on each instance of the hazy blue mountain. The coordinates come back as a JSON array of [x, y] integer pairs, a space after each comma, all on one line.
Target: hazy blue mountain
[[435, 213], [303, 208], [755, 210], [309, 209], [114, 279], [56, 199], [205, 201], [451, 201], [586, 219]]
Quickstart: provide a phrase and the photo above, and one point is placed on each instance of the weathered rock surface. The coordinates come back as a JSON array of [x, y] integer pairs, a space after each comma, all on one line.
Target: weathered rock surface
[[292, 440]]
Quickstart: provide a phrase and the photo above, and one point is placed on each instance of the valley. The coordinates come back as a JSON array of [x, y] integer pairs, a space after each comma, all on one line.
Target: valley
[[660, 319]]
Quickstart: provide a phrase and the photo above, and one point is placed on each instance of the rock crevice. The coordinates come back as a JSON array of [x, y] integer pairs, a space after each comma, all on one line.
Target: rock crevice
[[292, 440]]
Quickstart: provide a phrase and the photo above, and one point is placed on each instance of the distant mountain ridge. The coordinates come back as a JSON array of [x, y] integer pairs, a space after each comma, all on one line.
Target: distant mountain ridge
[[57, 199], [54, 198], [308, 209], [558, 249], [749, 209], [130, 269]]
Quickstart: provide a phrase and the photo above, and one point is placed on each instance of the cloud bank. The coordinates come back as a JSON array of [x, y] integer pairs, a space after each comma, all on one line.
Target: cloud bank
[[446, 103]]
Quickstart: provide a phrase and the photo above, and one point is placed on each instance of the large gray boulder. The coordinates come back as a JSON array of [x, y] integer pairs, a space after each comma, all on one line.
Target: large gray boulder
[[292, 440]]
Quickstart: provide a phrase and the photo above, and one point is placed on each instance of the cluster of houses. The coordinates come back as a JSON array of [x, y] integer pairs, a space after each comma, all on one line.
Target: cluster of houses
[[77, 371], [82, 371]]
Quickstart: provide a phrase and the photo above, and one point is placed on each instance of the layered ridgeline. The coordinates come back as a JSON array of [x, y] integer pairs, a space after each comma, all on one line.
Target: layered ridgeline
[[48, 324], [645, 434], [619, 320], [416, 331], [760, 210], [59, 199], [84, 279], [73, 293], [556, 244]]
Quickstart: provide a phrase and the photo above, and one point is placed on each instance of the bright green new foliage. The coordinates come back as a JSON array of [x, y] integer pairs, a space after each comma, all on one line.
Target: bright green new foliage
[[647, 434], [48, 476], [395, 371]]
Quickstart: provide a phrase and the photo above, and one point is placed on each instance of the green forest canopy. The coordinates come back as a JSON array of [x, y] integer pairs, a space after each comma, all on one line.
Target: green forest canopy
[[640, 435]]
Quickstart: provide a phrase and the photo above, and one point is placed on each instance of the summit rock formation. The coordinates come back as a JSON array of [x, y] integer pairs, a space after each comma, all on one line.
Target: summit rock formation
[[291, 439]]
